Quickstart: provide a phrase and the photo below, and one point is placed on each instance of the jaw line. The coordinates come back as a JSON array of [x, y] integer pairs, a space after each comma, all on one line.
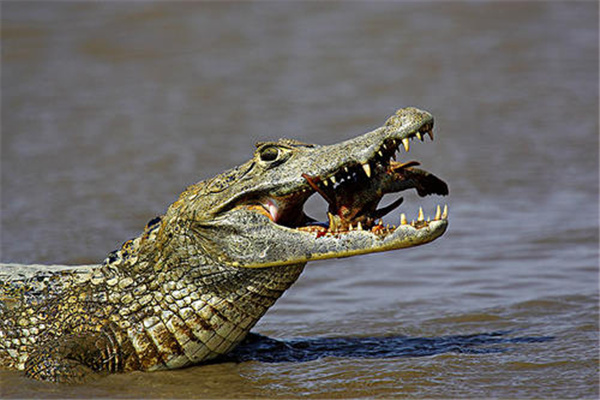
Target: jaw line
[[348, 244], [276, 245]]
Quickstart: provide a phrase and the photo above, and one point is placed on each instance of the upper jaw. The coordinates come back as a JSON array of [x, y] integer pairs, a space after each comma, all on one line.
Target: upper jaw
[[364, 152], [354, 157], [353, 176]]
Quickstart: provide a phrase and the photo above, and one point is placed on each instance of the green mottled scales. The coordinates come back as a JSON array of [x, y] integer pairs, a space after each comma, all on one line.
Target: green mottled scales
[[194, 283]]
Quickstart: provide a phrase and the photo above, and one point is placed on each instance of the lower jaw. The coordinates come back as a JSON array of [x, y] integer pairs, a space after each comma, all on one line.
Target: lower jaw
[[379, 229]]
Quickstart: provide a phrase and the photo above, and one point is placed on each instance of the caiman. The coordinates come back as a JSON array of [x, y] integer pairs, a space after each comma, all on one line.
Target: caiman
[[199, 277]]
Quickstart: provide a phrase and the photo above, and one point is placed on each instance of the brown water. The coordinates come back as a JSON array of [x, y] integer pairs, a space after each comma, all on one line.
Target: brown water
[[110, 109]]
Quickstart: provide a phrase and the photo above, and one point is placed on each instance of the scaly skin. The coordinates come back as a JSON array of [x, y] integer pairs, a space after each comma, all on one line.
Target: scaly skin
[[194, 283]]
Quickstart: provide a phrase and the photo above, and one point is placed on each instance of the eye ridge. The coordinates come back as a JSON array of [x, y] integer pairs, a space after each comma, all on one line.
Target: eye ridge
[[270, 153]]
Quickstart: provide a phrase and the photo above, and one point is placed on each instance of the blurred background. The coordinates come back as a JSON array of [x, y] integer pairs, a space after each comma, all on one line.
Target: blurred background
[[110, 109]]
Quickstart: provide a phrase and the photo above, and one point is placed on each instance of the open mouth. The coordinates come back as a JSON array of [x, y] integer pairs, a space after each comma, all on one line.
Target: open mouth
[[353, 193]]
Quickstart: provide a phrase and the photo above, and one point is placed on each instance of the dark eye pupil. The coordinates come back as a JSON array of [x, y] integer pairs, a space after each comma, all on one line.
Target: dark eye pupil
[[269, 154]]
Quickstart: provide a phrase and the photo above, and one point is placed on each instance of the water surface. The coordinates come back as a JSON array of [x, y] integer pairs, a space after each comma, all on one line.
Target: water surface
[[109, 110]]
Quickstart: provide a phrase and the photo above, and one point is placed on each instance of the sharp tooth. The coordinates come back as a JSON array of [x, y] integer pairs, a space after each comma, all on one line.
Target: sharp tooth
[[367, 169], [350, 227], [332, 179], [406, 144], [419, 136], [430, 133], [380, 153], [421, 216], [359, 226], [346, 169], [333, 222], [403, 219], [271, 205], [445, 213], [325, 182], [438, 213]]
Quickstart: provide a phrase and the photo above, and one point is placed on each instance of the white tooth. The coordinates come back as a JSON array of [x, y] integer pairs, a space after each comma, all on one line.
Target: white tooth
[[325, 182], [380, 153], [421, 216], [403, 219], [350, 228], [346, 169], [273, 210], [359, 226], [438, 213], [419, 136], [332, 179], [367, 169], [445, 213], [406, 144]]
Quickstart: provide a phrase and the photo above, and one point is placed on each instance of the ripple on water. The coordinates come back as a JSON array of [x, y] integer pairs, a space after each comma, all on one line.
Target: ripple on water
[[504, 305]]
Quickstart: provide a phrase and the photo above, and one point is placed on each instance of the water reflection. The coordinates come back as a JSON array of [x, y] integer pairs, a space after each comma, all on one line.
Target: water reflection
[[265, 349]]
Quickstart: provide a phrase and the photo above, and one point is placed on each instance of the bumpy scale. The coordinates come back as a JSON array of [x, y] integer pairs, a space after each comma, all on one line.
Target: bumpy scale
[[194, 283]]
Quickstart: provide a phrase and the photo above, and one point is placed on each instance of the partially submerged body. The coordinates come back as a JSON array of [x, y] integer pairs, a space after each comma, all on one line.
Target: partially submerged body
[[194, 283]]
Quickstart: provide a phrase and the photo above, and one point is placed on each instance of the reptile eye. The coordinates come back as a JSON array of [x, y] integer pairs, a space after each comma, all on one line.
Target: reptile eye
[[269, 153]]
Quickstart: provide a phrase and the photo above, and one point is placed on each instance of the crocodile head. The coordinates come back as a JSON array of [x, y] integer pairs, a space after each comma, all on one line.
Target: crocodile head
[[252, 216]]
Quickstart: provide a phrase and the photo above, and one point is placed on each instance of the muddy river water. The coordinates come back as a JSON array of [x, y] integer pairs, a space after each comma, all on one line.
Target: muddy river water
[[110, 109]]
